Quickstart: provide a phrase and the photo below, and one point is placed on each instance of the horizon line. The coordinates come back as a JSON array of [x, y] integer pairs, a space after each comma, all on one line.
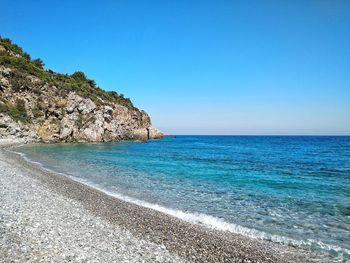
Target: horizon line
[[286, 135]]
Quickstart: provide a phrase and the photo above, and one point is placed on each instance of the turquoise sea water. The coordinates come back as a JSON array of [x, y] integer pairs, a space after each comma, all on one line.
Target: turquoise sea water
[[294, 190]]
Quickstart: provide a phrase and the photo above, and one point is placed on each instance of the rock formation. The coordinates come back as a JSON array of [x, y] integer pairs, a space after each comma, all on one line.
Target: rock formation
[[42, 105]]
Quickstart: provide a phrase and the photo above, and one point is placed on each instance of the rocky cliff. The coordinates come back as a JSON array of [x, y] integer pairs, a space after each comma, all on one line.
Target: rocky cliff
[[39, 104]]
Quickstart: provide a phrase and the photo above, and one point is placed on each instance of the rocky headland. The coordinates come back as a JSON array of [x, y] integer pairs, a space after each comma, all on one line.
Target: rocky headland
[[41, 105]]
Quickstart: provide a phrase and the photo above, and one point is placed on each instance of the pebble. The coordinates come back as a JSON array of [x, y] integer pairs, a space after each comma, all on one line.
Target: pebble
[[38, 225]]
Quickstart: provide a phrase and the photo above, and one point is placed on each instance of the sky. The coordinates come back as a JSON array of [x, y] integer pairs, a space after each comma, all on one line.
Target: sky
[[252, 67]]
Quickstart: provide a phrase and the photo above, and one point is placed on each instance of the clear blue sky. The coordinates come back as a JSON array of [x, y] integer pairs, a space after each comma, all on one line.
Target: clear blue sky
[[203, 67]]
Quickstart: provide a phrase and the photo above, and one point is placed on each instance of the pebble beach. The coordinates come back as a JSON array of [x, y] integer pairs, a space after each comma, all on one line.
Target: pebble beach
[[48, 217], [38, 225]]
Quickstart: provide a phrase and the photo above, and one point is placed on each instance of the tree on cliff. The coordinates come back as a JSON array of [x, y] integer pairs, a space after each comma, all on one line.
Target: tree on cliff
[[39, 63], [79, 75]]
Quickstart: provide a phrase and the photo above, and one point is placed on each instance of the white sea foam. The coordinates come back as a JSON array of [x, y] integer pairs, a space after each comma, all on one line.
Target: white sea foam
[[203, 219], [219, 223]]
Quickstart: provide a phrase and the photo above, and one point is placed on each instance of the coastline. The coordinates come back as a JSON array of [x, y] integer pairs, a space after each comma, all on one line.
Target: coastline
[[181, 239]]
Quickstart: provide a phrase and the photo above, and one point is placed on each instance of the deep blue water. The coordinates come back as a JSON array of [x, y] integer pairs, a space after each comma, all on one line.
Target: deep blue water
[[288, 189]]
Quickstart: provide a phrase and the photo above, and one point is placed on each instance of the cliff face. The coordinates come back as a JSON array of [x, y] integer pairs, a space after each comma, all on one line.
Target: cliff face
[[36, 104]]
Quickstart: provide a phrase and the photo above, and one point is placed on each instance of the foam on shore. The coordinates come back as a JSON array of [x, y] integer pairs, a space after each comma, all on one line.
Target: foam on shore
[[203, 219], [41, 225]]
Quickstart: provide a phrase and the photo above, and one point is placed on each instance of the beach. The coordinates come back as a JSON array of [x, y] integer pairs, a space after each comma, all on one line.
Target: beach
[[45, 217]]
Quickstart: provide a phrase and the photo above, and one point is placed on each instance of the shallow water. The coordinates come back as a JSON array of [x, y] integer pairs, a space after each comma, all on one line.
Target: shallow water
[[288, 189]]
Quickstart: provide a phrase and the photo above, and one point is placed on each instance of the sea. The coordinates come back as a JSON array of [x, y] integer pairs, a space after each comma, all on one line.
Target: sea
[[293, 190]]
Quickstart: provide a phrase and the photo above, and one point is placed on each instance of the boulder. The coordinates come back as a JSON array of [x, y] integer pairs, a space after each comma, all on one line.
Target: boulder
[[86, 106], [145, 134], [154, 133]]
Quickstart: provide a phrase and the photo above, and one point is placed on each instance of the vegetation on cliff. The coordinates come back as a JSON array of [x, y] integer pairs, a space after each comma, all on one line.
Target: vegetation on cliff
[[17, 111], [11, 55]]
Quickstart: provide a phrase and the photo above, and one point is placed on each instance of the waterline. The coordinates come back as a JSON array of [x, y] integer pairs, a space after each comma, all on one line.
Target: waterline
[[294, 195]]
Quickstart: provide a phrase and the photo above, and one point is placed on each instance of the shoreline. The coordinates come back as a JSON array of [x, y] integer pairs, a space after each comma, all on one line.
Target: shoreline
[[193, 242]]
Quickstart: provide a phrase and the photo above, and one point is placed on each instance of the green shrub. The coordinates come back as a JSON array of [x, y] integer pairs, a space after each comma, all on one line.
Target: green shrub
[[18, 111], [9, 46], [80, 76], [4, 108], [26, 56], [39, 63]]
